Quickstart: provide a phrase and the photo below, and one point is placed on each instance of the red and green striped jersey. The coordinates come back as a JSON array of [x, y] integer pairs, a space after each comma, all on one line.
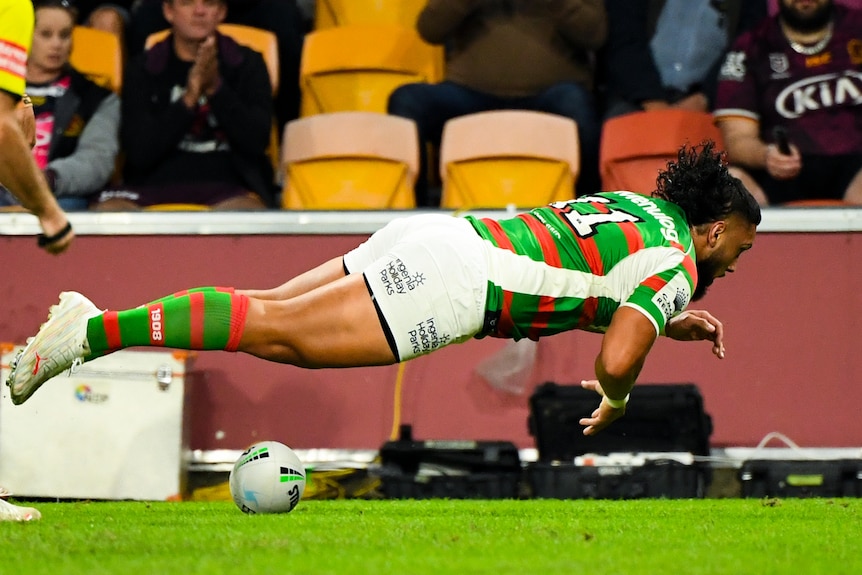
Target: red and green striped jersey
[[571, 265]]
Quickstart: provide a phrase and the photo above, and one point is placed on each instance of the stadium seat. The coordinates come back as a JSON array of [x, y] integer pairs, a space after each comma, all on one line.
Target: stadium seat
[[98, 55], [332, 13], [817, 203], [176, 208], [508, 157], [355, 68], [634, 147], [350, 161]]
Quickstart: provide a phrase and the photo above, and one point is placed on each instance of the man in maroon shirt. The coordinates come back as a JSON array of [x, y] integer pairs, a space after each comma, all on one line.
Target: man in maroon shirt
[[800, 73]]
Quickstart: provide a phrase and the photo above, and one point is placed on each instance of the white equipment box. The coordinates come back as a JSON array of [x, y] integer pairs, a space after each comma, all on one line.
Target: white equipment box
[[115, 429]]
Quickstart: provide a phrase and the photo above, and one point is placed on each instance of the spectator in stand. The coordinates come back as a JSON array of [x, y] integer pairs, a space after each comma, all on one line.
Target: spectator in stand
[[282, 17], [508, 54], [109, 15], [798, 72], [667, 53], [197, 114], [77, 122]]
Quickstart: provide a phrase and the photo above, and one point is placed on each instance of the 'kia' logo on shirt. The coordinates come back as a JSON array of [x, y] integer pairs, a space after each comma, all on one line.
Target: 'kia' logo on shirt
[[818, 92]]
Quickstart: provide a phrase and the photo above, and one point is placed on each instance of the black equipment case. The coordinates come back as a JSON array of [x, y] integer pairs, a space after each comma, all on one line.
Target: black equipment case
[[659, 418], [657, 478], [801, 478], [664, 422], [458, 469]]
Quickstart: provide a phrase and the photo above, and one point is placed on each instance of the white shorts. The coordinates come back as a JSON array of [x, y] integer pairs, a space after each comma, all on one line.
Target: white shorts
[[428, 277]]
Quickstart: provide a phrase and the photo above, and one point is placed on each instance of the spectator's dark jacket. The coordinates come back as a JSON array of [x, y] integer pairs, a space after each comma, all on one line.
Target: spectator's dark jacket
[[153, 125], [515, 48]]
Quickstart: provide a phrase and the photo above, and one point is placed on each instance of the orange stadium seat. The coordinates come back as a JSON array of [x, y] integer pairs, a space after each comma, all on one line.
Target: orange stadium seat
[[98, 55], [817, 203], [350, 161], [508, 157], [634, 147], [355, 68], [332, 13]]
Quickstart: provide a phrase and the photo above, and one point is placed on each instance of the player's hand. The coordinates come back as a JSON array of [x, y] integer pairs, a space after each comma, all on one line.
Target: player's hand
[[697, 325], [26, 120], [783, 166], [57, 233], [603, 415]]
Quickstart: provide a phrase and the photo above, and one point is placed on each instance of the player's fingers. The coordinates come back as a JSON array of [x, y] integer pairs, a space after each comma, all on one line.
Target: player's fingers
[[592, 385], [589, 424], [593, 425]]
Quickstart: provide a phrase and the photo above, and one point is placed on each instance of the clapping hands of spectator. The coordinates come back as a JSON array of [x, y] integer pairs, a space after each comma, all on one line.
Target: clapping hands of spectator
[[204, 75]]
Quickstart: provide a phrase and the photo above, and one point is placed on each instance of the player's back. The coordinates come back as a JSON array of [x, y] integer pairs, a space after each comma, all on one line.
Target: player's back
[[625, 247]]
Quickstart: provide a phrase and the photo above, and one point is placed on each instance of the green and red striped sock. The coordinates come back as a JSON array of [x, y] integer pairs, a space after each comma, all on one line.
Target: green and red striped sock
[[201, 319]]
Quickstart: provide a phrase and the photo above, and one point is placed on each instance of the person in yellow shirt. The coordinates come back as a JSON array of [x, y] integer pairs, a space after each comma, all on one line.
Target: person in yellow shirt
[[18, 171]]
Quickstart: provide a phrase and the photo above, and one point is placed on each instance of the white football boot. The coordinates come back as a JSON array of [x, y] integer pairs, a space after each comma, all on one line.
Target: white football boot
[[10, 512], [60, 344]]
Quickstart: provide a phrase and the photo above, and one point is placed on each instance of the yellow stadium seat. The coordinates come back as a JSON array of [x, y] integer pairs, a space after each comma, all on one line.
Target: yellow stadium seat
[[350, 161], [332, 13], [636, 146], [355, 68], [98, 55], [177, 208], [508, 157]]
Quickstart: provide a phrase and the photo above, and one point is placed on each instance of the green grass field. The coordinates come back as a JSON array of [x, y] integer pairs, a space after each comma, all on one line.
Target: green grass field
[[685, 537]]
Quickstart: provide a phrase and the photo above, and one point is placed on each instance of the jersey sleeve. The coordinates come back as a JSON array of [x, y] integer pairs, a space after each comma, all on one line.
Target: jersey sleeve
[[737, 89], [16, 35], [662, 296]]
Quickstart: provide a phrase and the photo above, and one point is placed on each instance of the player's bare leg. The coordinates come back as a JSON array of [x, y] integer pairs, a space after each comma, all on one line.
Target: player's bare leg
[[323, 274], [333, 325]]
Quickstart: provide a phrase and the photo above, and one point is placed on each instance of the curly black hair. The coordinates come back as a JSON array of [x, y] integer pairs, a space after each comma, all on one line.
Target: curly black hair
[[699, 183]]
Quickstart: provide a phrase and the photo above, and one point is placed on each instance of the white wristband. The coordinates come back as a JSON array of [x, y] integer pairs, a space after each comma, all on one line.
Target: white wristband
[[617, 403]]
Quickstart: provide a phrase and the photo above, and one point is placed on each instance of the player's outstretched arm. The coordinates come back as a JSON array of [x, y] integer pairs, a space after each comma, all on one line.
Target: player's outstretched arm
[[624, 349], [21, 176], [697, 325]]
